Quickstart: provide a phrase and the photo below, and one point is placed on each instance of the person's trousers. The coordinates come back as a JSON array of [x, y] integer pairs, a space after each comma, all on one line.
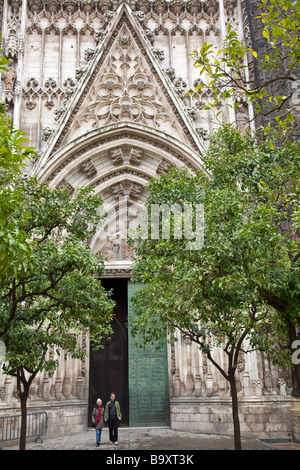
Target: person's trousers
[[113, 429], [98, 436]]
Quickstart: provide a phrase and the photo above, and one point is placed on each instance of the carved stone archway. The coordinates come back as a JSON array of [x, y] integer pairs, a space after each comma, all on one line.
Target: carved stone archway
[[118, 162]]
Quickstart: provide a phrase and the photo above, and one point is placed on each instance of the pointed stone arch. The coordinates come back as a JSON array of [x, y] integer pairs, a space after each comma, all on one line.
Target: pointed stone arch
[[118, 162]]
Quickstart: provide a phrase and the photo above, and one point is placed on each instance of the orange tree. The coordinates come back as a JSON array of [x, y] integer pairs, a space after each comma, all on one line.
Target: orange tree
[[243, 283], [59, 295]]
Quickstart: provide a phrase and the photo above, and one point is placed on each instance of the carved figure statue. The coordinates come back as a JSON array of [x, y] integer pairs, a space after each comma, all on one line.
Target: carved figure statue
[[9, 79]]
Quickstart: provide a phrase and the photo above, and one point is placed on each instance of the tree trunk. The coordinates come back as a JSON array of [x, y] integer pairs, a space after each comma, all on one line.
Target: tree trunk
[[233, 391], [23, 391], [235, 411], [22, 443]]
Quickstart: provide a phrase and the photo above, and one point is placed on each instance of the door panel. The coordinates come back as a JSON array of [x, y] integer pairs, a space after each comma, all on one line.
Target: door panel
[[148, 379]]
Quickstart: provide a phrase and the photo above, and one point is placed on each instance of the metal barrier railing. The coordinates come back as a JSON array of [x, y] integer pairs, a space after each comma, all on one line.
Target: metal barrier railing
[[10, 426]]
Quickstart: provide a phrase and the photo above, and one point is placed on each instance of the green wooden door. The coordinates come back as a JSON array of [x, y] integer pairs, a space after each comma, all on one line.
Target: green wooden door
[[148, 379]]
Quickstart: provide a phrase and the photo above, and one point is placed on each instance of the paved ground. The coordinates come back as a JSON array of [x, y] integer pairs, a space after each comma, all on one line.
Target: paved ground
[[137, 439]]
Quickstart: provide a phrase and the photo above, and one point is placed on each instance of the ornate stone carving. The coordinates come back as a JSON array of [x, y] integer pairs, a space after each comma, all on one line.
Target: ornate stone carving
[[88, 168], [47, 132], [125, 89], [171, 73], [58, 112], [12, 46], [135, 156], [79, 72], [117, 156], [229, 6], [127, 83], [210, 7], [163, 167], [65, 185], [15, 6], [35, 6], [53, 6], [87, 6], [282, 386], [9, 78], [117, 249], [89, 54], [70, 6], [98, 35], [50, 94], [66, 387], [133, 190], [242, 117], [160, 53], [203, 133], [120, 156], [189, 385]]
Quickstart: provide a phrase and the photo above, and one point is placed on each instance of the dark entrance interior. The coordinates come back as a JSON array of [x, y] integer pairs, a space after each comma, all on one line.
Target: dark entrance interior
[[109, 366]]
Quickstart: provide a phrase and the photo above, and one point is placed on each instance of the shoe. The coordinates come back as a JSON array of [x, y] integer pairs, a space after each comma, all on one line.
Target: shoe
[[111, 442], [116, 443], [98, 444]]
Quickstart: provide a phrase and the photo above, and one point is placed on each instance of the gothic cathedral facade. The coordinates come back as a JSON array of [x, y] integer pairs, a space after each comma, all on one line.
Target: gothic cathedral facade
[[100, 87]]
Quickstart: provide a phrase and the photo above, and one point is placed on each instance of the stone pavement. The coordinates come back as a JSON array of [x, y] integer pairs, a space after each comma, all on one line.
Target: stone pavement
[[138, 439]]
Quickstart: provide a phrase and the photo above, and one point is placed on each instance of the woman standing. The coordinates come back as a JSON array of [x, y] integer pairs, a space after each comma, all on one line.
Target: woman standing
[[98, 420]]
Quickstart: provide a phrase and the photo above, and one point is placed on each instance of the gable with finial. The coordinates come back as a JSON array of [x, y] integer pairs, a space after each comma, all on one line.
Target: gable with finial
[[124, 82]]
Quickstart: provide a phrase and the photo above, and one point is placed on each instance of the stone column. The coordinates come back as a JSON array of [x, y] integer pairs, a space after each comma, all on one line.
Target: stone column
[[189, 378], [8, 389], [46, 388], [197, 385], [80, 388]]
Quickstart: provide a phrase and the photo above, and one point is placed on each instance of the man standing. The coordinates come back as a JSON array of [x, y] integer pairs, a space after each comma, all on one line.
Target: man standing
[[113, 416]]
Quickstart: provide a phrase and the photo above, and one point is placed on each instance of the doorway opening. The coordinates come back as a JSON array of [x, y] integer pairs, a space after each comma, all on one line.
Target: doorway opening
[[139, 377], [109, 365]]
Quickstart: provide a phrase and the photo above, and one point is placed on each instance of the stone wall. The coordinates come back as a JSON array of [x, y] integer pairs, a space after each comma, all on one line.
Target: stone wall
[[200, 397], [295, 418], [65, 418], [264, 418]]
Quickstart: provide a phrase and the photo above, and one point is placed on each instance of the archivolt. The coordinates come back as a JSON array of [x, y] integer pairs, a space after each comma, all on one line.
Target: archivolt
[[158, 151], [117, 161]]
